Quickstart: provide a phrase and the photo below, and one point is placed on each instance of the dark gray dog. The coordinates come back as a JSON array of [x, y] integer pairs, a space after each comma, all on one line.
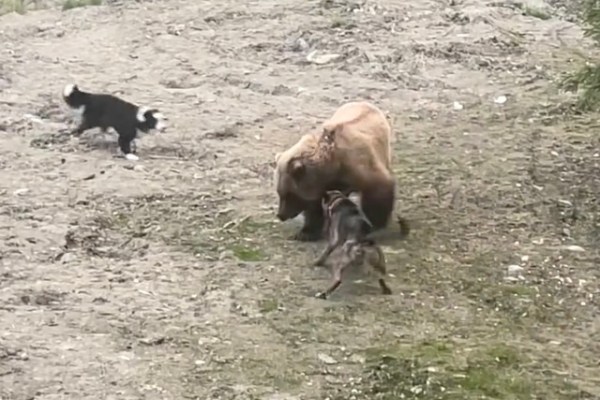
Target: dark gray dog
[[344, 221], [348, 227]]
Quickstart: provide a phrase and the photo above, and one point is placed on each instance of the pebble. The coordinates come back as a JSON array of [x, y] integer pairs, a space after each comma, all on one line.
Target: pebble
[[514, 270], [574, 248], [321, 59], [326, 359]]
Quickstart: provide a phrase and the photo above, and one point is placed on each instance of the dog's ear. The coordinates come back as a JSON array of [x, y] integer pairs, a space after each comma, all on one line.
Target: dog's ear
[[324, 203], [297, 169], [273, 164]]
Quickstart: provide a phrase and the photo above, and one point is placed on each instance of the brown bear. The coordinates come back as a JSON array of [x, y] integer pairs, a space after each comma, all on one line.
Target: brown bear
[[351, 153]]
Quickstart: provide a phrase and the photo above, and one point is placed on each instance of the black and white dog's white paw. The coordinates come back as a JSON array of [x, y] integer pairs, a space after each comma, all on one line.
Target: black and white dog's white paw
[[131, 157]]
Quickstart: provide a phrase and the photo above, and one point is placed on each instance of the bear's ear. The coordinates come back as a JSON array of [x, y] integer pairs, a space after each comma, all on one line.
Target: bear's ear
[[275, 162], [328, 134], [297, 169]]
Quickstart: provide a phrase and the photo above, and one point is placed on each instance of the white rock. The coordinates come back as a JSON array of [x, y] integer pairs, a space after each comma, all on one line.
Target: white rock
[[355, 358], [575, 248], [326, 359], [514, 270], [20, 192], [500, 100], [321, 59]]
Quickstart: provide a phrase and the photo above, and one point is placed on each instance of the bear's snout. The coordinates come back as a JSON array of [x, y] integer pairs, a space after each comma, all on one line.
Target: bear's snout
[[281, 216], [285, 212]]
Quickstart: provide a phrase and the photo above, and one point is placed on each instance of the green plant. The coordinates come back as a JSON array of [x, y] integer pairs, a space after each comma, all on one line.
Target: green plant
[[69, 4], [7, 6], [587, 79]]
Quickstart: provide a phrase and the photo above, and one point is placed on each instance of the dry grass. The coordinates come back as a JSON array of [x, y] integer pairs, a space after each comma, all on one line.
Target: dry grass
[[178, 280], [18, 6], [23, 6], [69, 4]]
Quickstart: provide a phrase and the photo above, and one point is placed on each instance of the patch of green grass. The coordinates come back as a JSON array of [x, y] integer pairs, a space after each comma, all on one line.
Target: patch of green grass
[[585, 83], [339, 22], [445, 371], [270, 369], [70, 4], [251, 227], [536, 13], [268, 305], [7, 6], [246, 253]]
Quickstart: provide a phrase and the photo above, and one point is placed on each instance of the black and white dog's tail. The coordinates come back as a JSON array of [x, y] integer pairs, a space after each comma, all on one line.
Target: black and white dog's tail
[[150, 118]]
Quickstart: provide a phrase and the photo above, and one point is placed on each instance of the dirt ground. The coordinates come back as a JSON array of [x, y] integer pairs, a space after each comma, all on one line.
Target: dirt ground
[[170, 278]]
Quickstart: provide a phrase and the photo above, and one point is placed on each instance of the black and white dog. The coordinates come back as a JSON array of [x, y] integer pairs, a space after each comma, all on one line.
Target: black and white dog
[[107, 111]]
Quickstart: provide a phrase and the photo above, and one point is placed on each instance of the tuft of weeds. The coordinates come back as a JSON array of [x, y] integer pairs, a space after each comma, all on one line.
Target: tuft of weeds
[[444, 370], [8, 6], [70, 4], [268, 305], [340, 22], [535, 13], [247, 253]]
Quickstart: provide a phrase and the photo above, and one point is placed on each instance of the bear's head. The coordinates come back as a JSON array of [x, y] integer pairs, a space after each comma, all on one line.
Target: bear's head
[[304, 171]]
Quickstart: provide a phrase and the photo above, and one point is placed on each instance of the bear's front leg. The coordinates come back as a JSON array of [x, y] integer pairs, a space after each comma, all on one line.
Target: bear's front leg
[[314, 221]]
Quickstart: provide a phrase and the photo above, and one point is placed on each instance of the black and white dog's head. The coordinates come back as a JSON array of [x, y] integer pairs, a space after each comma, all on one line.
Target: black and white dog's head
[[73, 96], [150, 118]]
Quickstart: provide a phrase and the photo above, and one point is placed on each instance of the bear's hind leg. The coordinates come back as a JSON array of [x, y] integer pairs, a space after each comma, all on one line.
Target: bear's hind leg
[[314, 221]]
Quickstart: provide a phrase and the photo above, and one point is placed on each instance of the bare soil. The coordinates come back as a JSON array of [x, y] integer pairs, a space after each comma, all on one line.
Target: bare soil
[[170, 278]]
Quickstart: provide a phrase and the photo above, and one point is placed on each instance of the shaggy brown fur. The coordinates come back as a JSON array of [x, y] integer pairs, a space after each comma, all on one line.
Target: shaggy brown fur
[[350, 153]]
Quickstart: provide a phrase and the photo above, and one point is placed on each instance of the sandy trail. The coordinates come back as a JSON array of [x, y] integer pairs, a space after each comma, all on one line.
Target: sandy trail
[[177, 282]]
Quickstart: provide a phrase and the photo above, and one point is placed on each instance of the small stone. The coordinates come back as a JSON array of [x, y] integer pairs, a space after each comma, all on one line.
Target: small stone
[[321, 59], [514, 270], [326, 359], [457, 106], [500, 100], [226, 254], [300, 45], [67, 258], [574, 248], [20, 192], [355, 358]]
